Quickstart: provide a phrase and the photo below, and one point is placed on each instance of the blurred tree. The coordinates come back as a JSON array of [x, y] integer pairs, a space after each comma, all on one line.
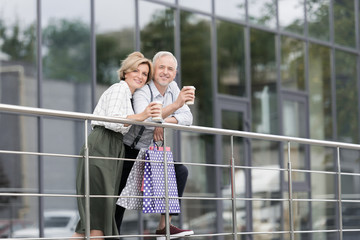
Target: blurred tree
[[67, 50], [111, 48], [19, 44]]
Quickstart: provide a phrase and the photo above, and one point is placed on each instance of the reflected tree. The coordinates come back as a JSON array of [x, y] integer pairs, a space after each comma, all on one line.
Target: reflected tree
[[67, 50], [111, 48], [18, 43]]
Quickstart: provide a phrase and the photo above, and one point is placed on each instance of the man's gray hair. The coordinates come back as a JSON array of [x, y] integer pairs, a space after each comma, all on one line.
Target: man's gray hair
[[164, 53]]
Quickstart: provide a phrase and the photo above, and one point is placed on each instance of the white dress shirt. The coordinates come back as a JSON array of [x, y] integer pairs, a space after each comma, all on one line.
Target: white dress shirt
[[142, 98]]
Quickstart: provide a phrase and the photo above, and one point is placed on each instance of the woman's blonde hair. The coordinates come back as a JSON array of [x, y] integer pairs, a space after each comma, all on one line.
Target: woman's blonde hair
[[131, 63]]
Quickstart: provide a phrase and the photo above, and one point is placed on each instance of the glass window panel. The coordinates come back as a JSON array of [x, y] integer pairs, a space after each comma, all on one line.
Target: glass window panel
[[266, 216], [200, 5], [263, 82], [292, 64], [265, 153], [66, 86], [351, 216], [12, 224], [18, 86], [115, 39], [346, 97], [350, 185], [262, 12], [294, 118], [320, 99], [18, 52], [323, 185], [350, 160], [294, 125], [195, 69], [318, 19], [66, 55], [196, 64], [344, 23], [232, 9], [231, 59], [234, 121], [202, 216], [322, 159], [157, 31], [301, 212], [291, 15], [324, 217]]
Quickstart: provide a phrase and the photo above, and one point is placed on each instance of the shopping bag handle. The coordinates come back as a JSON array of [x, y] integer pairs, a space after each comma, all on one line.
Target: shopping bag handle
[[158, 148]]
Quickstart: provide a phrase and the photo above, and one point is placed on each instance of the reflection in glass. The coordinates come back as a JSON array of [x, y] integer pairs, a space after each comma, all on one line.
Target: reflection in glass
[[344, 23], [115, 39], [263, 82], [351, 215], [234, 121], [301, 213], [18, 52], [349, 188], [202, 216], [231, 59], [294, 125], [262, 12], [232, 9], [291, 15], [66, 55], [320, 99], [292, 64], [322, 159], [323, 218], [318, 19], [196, 64], [195, 69], [265, 153], [346, 97], [66, 86], [157, 31], [18, 86], [199, 5]]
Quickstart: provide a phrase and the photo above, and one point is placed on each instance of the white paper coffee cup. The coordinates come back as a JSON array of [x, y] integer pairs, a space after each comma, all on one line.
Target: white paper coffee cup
[[159, 117], [193, 89]]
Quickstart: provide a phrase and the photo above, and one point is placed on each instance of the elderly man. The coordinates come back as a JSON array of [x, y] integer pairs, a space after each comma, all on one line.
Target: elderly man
[[162, 88]]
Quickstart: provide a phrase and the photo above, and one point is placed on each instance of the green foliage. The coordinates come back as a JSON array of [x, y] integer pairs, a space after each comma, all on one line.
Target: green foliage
[[17, 43], [111, 48], [158, 34], [67, 50]]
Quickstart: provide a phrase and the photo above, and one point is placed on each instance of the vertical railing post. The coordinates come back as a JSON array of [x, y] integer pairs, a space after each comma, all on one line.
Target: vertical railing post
[[167, 217], [291, 215], [233, 189], [339, 194], [87, 183]]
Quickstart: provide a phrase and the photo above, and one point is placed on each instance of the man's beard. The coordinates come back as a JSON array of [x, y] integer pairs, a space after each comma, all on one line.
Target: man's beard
[[163, 84]]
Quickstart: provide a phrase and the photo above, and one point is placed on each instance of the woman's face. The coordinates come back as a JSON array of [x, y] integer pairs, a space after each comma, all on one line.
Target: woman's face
[[137, 78]]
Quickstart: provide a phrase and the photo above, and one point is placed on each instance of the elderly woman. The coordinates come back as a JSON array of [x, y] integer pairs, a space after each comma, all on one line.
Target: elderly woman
[[106, 140]]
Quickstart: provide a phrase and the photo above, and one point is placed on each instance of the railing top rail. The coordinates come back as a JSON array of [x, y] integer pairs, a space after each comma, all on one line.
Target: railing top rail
[[86, 116]]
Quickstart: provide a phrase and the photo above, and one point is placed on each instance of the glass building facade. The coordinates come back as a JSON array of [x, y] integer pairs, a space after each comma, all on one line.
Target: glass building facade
[[283, 67]]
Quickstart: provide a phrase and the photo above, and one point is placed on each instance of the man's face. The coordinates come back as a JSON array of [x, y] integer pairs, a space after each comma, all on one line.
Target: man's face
[[164, 71]]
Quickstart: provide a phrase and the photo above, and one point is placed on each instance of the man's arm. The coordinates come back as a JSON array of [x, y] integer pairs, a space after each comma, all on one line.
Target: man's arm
[[181, 97]]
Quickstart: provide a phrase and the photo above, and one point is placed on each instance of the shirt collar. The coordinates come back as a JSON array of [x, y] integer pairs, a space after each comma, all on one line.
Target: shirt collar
[[156, 91]]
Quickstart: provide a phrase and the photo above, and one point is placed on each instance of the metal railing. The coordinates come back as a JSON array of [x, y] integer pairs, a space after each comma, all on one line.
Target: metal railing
[[4, 108]]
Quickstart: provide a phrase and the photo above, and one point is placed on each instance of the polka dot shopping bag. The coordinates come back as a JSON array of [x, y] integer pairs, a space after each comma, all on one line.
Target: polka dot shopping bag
[[147, 179], [154, 183]]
